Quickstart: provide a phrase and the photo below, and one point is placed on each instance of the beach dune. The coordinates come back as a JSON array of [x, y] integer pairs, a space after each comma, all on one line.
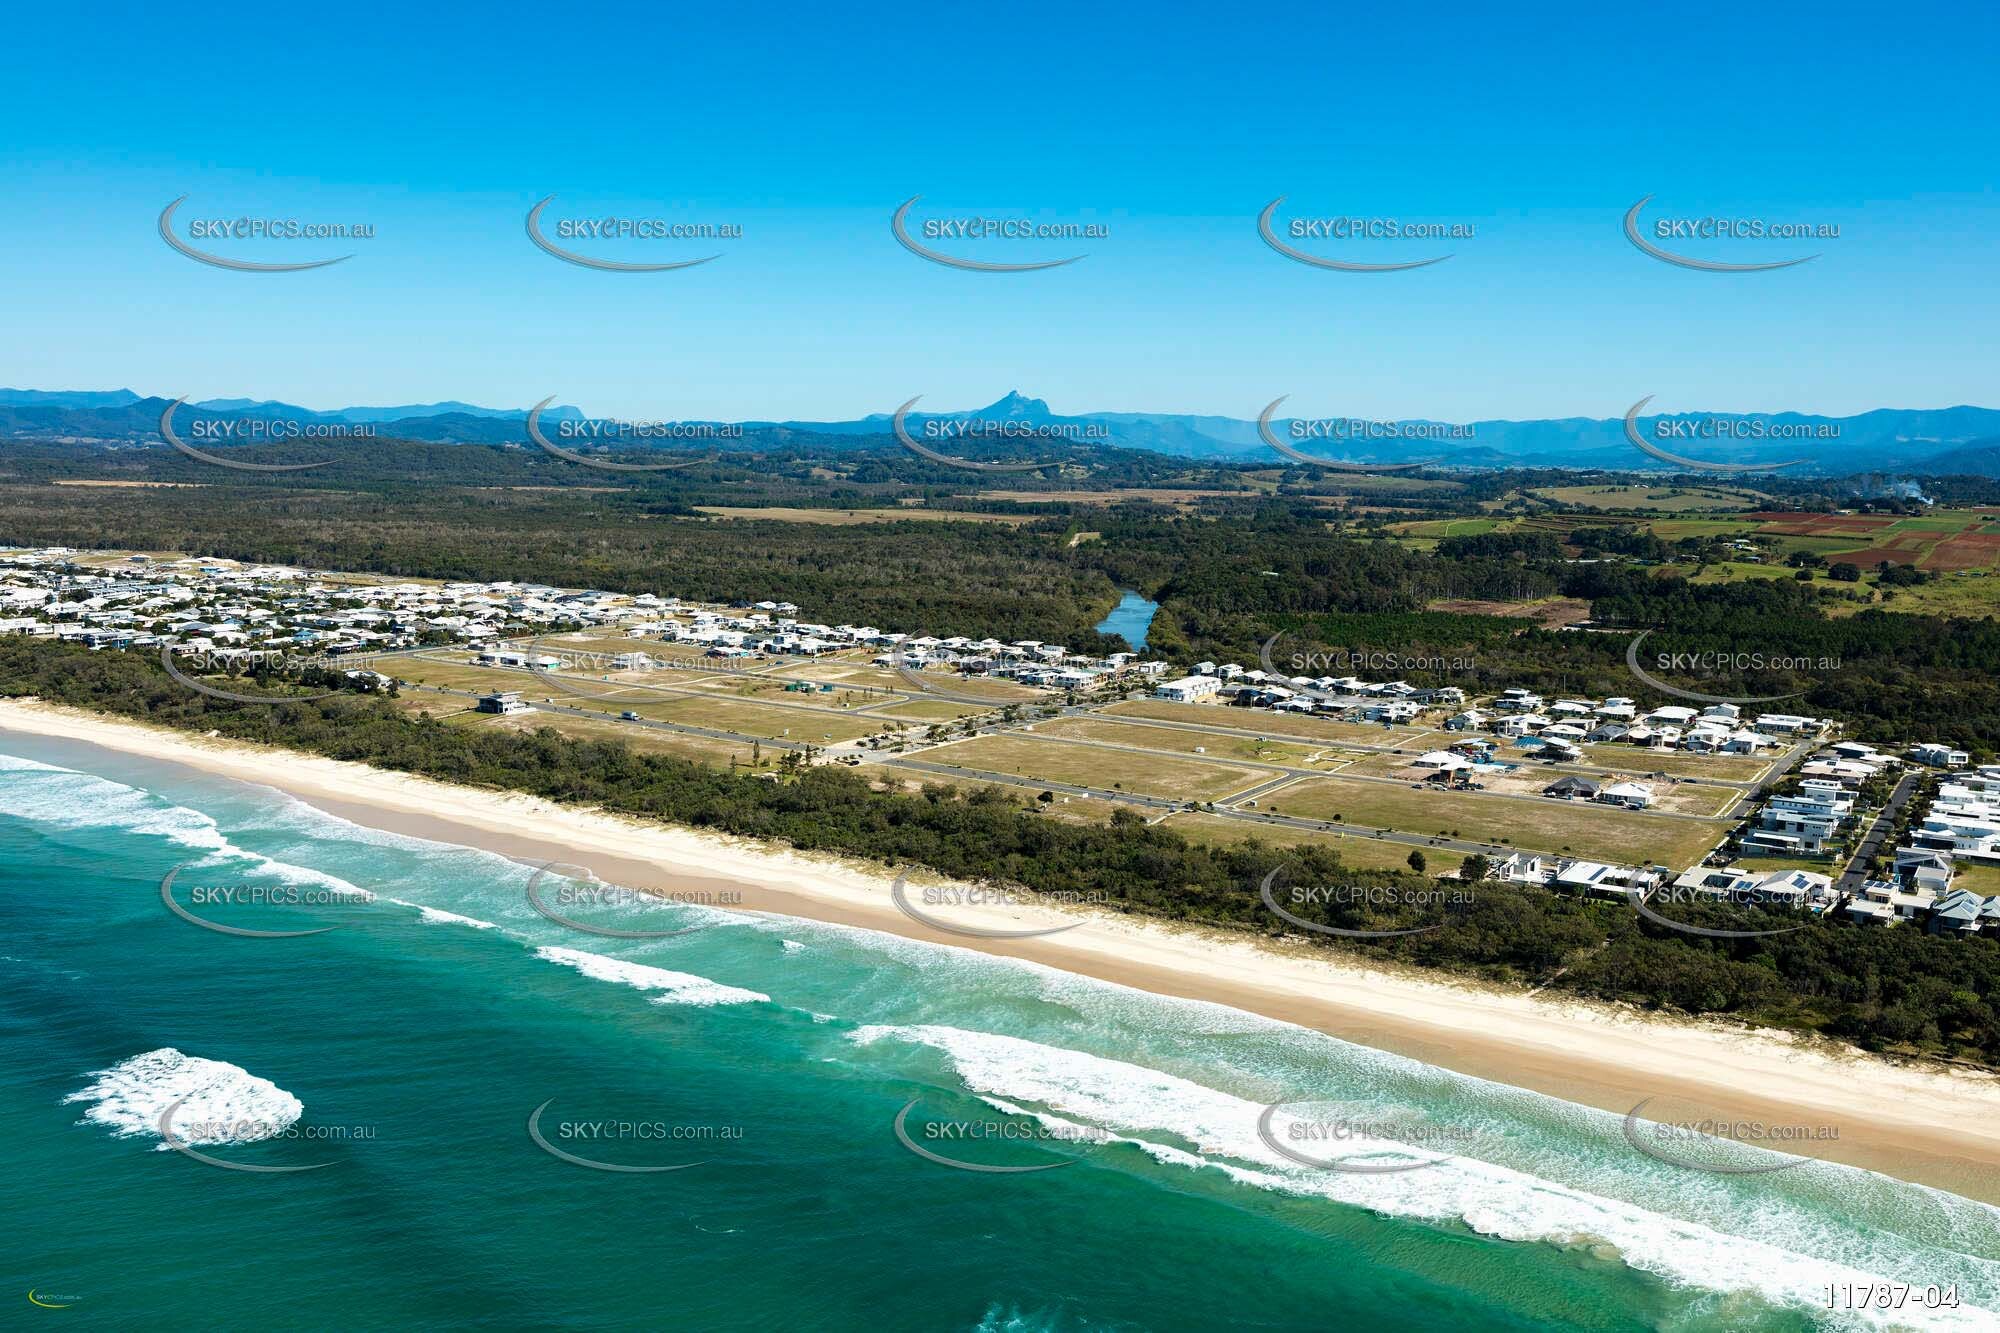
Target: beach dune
[[1925, 1123]]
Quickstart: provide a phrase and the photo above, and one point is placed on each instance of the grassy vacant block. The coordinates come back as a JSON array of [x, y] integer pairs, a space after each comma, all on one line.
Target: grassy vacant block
[[1582, 829], [1068, 809], [818, 726], [1261, 723], [1362, 852], [644, 740], [1530, 778], [1714, 768], [976, 687], [927, 710], [1178, 740], [1092, 766]]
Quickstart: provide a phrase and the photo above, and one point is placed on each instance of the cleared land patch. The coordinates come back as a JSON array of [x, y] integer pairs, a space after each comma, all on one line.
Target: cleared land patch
[[1090, 766], [1542, 825]]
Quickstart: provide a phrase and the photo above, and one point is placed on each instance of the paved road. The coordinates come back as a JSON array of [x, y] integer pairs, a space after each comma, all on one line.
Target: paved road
[[1408, 745], [1856, 873], [916, 682], [633, 691], [1293, 771], [1283, 775], [1165, 805], [599, 715]]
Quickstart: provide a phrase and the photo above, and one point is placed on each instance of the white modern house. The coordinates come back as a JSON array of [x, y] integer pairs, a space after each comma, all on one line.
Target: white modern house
[[1940, 756], [1631, 795], [1188, 689]]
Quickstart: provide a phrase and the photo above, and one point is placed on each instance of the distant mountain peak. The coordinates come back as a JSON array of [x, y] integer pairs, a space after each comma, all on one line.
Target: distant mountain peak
[[1016, 405]]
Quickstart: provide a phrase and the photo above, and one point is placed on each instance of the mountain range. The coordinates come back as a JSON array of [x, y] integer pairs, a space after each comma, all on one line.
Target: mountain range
[[1928, 441]]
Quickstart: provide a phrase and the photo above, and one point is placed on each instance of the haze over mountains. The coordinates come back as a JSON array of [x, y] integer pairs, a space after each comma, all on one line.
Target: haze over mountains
[[1933, 441]]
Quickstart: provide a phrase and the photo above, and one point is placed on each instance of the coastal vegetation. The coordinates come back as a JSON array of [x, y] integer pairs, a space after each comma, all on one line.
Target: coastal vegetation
[[1896, 990]]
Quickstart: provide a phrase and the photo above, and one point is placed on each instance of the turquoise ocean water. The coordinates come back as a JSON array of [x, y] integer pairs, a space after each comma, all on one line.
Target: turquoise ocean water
[[402, 1054]]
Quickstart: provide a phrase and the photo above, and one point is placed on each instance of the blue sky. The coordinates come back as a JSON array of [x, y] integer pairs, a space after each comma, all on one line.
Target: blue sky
[[1171, 125]]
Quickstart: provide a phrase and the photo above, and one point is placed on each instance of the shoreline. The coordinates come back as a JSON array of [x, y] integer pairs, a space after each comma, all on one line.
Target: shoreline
[[1930, 1125]]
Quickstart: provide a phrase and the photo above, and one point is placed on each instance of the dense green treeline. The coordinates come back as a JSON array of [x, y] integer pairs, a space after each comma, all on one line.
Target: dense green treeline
[[1895, 989]]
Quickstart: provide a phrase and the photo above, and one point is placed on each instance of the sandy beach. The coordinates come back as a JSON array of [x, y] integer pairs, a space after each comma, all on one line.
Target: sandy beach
[[1927, 1124]]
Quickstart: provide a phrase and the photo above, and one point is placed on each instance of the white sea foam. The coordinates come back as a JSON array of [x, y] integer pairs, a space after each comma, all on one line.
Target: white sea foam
[[791, 946], [65, 798], [68, 799], [437, 916], [1158, 1112], [674, 987], [224, 1103]]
